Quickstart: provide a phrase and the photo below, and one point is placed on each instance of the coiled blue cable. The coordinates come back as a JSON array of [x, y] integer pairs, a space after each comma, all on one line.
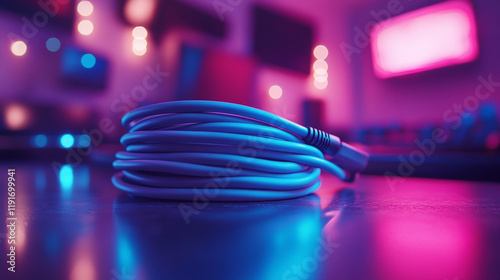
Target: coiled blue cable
[[227, 152]]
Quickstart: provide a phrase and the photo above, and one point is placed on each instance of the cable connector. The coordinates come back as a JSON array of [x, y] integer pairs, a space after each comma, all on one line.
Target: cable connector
[[344, 155]]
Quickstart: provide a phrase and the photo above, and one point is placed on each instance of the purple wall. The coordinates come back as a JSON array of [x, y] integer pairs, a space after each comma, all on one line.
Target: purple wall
[[354, 96]]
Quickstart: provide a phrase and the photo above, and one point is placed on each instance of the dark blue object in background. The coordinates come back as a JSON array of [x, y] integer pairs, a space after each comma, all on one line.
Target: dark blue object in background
[[39, 13], [84, 68], [282, 40]]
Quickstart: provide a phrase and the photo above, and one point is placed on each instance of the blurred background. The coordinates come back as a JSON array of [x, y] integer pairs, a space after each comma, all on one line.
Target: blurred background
[[416, 83]]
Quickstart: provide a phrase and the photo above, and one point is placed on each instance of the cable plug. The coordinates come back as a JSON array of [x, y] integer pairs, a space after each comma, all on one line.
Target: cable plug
[[344, 155]]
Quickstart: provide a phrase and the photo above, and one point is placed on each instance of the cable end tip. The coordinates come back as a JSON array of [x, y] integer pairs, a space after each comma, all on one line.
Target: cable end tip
[[344, 155], [350, 158]]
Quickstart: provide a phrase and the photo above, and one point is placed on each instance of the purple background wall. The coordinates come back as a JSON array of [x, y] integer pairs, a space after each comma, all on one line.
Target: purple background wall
[[354, 96]]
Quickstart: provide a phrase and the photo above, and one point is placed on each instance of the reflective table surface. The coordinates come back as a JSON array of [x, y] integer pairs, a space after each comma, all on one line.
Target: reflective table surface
[[73, 224]]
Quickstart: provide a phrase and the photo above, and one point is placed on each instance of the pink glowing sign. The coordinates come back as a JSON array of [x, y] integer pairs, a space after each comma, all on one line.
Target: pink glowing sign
[[432, 37]]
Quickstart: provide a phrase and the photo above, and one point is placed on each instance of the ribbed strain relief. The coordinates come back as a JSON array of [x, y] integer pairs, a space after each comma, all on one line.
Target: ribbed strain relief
[[317, 138]]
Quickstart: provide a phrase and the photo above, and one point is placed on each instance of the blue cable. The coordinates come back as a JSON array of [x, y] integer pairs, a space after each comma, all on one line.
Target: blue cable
[[182, 150]]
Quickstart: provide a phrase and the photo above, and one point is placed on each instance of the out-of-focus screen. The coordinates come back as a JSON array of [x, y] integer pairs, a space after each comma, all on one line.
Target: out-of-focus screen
[[435, 36], [272, 34]]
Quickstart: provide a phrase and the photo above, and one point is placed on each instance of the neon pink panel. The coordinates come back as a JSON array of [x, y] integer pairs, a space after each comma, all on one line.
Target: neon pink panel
[[432, 37]]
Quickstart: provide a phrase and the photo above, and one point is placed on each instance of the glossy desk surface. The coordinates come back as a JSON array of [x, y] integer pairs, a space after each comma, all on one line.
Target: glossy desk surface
[[75, 225]]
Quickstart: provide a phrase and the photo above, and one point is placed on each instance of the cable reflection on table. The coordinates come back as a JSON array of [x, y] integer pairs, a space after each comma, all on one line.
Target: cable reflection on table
[[267, 240]]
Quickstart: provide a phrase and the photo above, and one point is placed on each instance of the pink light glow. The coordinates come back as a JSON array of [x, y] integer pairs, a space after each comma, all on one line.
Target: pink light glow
[[416, 238], [320, 52], [82, 260], [140, 12], [17, 117], [275, 92], [320, 84], [85, 8], [432, 37], [85, 27], [320, 64]]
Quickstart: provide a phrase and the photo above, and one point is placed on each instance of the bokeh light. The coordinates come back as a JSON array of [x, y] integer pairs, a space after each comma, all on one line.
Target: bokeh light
[[139, 44], [67, 141], [139, 12], [320, 71], [53, 44], [85, 27], [320, 77], [139, 52], [320, 64], [17, 117], [19, 48], [320, 67], [84, 141], [88, 60], [139, 32], [40, 140], [275, 92], [320, 85], [85, 8], [320, 52]]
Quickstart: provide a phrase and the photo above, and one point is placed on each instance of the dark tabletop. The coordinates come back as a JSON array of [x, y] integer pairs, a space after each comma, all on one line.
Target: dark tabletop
[[75, 225]]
